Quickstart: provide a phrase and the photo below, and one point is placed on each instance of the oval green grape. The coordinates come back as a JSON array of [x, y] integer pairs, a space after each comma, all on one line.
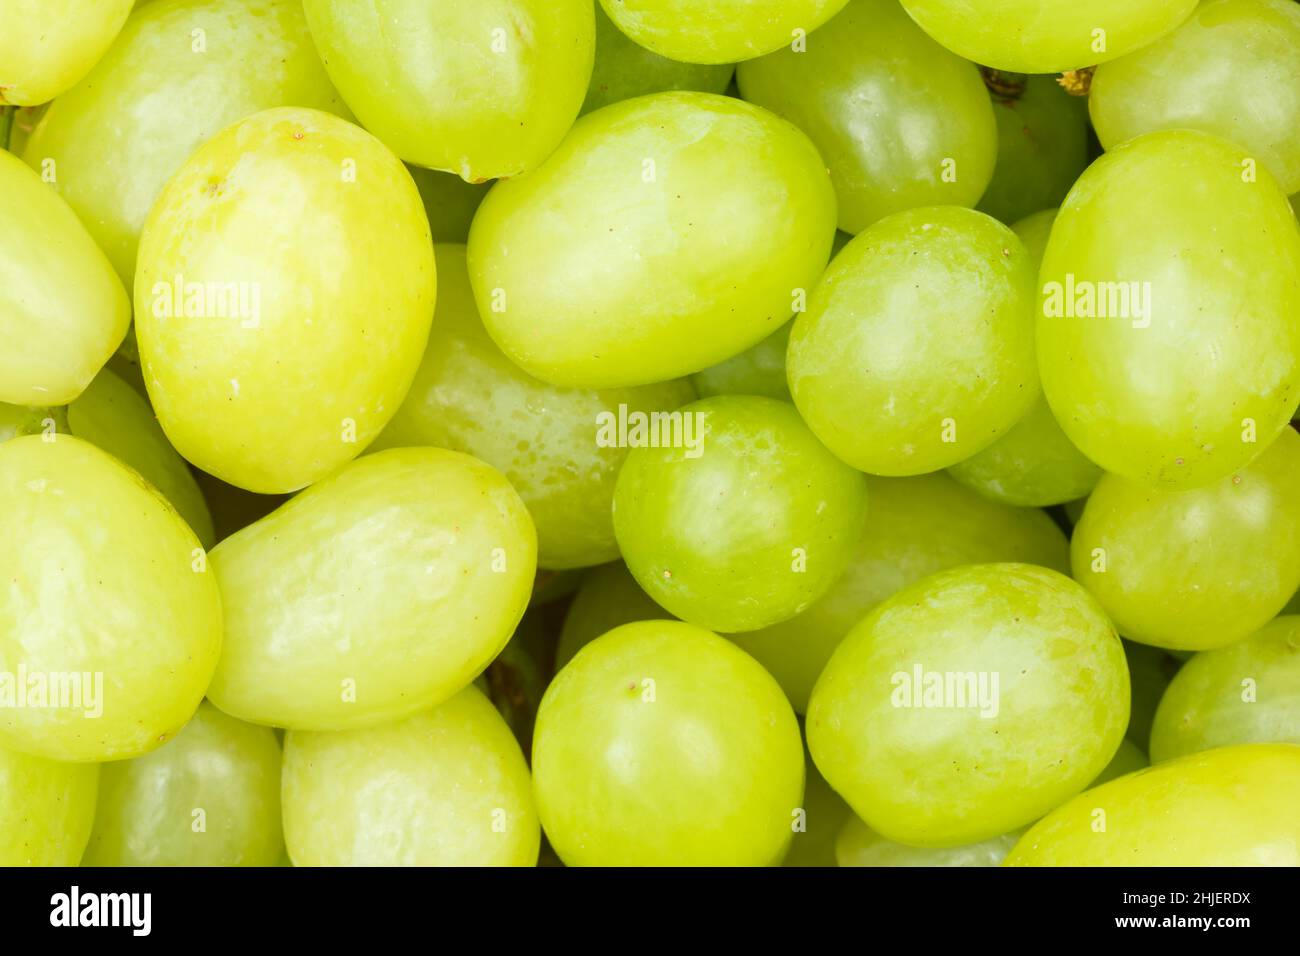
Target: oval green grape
[[47, 808], [48, 45]]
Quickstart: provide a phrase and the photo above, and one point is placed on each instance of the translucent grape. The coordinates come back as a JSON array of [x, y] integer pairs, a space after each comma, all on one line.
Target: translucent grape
[[1228, 53], [662, 744], [46, 809], [1167, 338], [62, 310], [1246, 693], [759, 370], [1194, 569], [859, 845], [970, 703], [166, 86], [445, 787], [210, 797], [696, 222], [1234, 806], [48, 45], [559, 447], [274, 355], [745, 527], [608, 597], [917, 350], [482, 88], [110, 620], [376, 593], [1046, 36], [900, 121]]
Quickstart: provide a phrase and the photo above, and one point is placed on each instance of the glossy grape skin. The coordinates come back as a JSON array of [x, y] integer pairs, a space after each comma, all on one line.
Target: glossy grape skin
[[1198, 569], [46, 809], [759, 370], [1042, 147], [717, 31], [469, 397], [624, 69], [858, 845], [890, 110], [607, 598], [1150, 669], [1046, 36], [62, 310], [1228, 53], [117, 137], [1234, 806], [102, 577], [917, 349], [1248, 692], [946, 777], [825, 815], [445, 787], [149, 808], [333, 312], [449, 202], [1222, 259], [678, 273], [48, 45], [368, 586], [481, 88], [914, 527], [661, 744], [749, 531]]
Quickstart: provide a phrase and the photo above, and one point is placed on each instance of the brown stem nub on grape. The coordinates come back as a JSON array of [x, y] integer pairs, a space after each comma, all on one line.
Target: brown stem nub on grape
[[1077, 82], [1004, 86]]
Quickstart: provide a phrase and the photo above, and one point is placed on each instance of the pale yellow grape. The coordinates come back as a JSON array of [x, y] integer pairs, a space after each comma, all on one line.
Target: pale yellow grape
[[376, 593], [661, 744], [46, 809], [559, 447], [915, 527], [283, 296], [445, 787], [693, 221], [48, 45], [607, 598], [858, 845], [970, 703], [483, 88], [1194, 569], [62, 309], [103, 580], [210, 797], [1234, 806], [179, 73]]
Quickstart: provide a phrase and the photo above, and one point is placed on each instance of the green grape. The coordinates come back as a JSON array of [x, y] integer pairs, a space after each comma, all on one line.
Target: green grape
[[211, 797], [1042, 145], [759, 370], [915, 527], [445, 787], [376, 593], [900, 121], [608, 597], [180, 71], [481, 88], [743, 528], [48, 45], [1046, 36], [1228, 53], [1246, 693], [824, 815], [661, 744], [695, 221], [113, 416], [970, 703], [274, 355], [449, 202], [917, 348], [858, 845], [1034, 231], [560, 447], [1129, 758], [62, 310], [46, 809], [624, 69], [1198, 569], [1150, 670], [1235, 806], [1167, 339], [110, 622], [718, 31]]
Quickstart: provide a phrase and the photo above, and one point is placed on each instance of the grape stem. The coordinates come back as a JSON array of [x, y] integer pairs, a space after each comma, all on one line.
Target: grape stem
[[1005, 87], [1077, 82], [6, 125]]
